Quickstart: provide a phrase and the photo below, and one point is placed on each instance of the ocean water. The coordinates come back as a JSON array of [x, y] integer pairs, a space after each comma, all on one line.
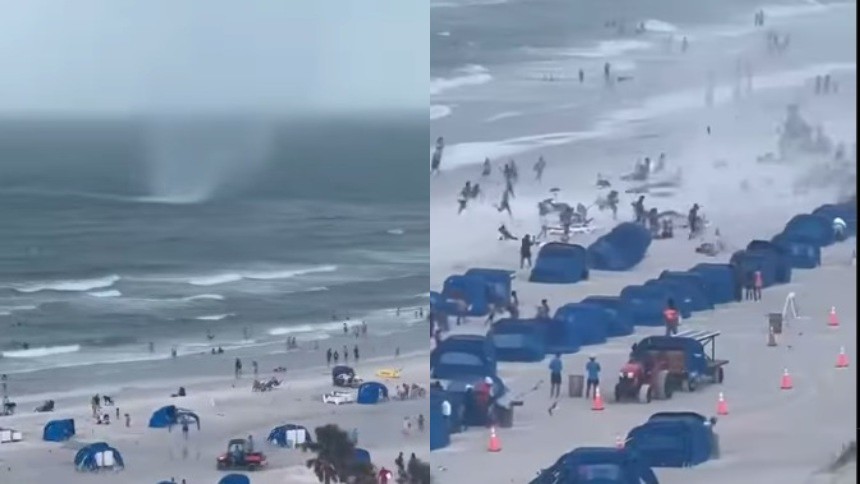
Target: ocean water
[[118, 233]]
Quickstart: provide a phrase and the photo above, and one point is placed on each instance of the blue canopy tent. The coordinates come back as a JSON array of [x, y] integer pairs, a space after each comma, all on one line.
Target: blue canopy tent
[[440, 433], [590, 322], [561, 337], [646, 304], [621, 249], [603, 465], [783, 264], [671, 290], [694, 286], [673, 439], [235, 479], [463, 355], [167, 417], [371, 392], [59, 430], [747, 262], [498, 284], [720, 281], [621, 322], [97, 456], [814, 228], [466, 296], [362, 456], [846, 211], [801, 253], [289, 435], [559, 263], [521, 340]]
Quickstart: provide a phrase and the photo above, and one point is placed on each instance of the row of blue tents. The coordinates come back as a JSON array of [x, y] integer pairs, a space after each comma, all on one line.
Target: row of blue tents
[[596, 318]]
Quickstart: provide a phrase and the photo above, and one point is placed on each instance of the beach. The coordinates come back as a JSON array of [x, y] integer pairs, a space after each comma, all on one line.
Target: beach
[[227, 409], [514, 112]]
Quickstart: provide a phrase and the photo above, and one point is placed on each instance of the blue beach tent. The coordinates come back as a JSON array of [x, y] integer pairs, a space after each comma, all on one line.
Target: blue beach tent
[[235, 479], [598, 465], [463, 356], [561, 337], [499, 283], [780, 256], [621, 322], [466, 296], [846, 211], [455, 398], [371, 392], [289, 435], [673, 439], [800, 253], [693, 286], [747, 262], [589, 322], [362, 456], [167, 417], [675, 292], [559, 263], [621, 249], [522, 340], [59, 430], [646, 304], [814, 228], [721, 281], [98, 456]]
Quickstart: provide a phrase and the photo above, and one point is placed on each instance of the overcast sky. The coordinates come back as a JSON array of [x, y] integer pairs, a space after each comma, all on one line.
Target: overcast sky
[[131, 56]]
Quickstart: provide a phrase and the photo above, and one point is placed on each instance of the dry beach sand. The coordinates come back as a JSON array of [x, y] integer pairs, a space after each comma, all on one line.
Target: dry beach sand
[[227, 408]]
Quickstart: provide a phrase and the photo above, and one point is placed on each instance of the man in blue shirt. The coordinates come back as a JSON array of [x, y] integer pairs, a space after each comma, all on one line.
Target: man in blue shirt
[[592, 371], [555, 376]]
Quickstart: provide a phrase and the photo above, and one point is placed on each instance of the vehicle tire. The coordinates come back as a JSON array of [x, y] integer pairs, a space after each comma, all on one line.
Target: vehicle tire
[[661, 388], [617, 393], [691, 385], [720, 375], [646, 393]]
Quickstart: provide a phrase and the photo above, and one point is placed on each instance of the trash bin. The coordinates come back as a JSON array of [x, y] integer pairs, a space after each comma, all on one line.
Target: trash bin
[[774, 321], [575, 386], [505, 416]]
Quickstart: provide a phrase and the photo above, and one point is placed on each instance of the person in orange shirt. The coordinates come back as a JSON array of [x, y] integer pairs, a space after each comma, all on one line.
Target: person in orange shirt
[[671, 317], [758, 283]]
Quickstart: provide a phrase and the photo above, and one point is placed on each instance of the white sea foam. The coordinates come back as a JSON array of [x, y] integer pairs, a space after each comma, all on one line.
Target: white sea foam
[[438, 111], [202, 297], [8, 310], [224, 278], [504, 115], [609, 48], [395, 231], [108, 293], [72, 285], [472, 75], [41, 351], [214, 317], [659, 26]]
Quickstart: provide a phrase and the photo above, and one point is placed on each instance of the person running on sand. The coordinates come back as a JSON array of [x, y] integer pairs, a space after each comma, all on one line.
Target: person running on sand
[[539, 167], [504, 205], [237, 368], [487, 168]]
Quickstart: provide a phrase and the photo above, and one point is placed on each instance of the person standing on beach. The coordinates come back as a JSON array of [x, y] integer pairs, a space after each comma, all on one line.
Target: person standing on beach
[[238, 368], [671, 318], [581, 76], [436, 161], [355, 353], [592, 372], [539, 167], [345, 354], [336, 356], [758, 283], [555, 367], [543, 310], [526, 251], [328, 357]]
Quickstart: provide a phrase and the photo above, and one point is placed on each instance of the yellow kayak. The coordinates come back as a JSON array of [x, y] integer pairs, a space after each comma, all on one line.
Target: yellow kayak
[[388, 373]]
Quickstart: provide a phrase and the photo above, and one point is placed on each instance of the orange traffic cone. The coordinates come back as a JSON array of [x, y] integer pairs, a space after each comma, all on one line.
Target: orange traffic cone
[[842, 359], [722, 406], [495, 444], [597, 403], [619, 442], [786, 381], [833, 319]]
